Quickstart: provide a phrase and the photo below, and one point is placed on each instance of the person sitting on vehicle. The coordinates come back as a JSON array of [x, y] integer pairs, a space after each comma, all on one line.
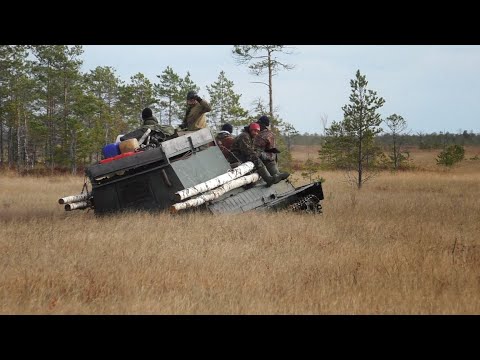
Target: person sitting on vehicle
[[157, 133], [243, 150], [242, 146], [265, 145], [195, 118], [224, 140], [148, 118]]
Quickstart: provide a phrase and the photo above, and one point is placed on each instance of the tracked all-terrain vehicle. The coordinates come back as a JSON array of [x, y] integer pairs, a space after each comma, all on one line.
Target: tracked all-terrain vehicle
[[184, 173]]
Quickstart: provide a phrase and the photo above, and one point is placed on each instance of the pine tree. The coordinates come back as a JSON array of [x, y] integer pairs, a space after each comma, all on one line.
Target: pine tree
[[169, 93], [136, 96], [350, 143], [225, 103], [397, 125]]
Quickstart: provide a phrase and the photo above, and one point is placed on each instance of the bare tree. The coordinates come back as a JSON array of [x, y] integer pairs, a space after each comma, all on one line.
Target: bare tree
[[261, 58]]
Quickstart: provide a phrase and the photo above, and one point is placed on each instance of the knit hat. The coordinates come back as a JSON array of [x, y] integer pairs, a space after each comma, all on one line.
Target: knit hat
[[227, 127], [146, 113], [191, 95], [264, 120]]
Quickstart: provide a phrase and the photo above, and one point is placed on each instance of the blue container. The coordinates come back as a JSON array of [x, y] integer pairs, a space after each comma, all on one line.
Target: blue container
[[111, 150]]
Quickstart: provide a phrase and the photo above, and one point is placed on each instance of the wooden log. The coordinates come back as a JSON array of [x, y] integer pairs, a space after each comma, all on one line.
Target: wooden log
[[215, 193], [76, 206], [73, 198], [215, 182]]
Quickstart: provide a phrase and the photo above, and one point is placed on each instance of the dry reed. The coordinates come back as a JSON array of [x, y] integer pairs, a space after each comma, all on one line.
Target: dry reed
[[407, 243]]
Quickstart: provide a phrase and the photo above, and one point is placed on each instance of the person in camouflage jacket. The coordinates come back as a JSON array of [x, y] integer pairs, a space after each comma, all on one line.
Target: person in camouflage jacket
[[244, 150], [225, 141], [148, 118], [242, 147], [265, 141], [266, 147], [195, 118]]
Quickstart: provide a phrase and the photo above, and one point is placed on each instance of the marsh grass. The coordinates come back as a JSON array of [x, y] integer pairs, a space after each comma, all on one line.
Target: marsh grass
[[407, 243]]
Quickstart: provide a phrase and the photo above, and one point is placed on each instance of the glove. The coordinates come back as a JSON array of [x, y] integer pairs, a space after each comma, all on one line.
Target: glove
[[198, 98]]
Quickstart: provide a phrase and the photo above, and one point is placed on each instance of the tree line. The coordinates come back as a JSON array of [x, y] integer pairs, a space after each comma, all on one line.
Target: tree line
[[56, 116], [420, 140]]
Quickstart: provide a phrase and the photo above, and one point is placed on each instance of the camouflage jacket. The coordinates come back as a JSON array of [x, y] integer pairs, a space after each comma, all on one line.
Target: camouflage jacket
[[225, 141], [195, 118], [265, 140], [152, 120], [243, 149]]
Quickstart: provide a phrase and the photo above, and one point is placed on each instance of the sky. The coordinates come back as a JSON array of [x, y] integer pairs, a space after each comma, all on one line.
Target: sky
[[435, 88]]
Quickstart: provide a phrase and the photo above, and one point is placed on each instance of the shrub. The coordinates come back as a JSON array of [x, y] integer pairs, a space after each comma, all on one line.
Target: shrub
[[451, 155]]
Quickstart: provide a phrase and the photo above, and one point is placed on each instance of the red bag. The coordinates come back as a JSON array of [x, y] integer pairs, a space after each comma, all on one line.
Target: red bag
[[130, 153]]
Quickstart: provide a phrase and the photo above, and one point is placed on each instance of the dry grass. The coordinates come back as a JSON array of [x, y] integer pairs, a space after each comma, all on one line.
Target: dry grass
[[407, 243], [421, 159]]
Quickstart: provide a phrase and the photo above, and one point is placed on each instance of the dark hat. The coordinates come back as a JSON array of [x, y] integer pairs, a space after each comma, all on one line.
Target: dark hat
[[264, 120], [227, 127], [147, 112], [191, 95]]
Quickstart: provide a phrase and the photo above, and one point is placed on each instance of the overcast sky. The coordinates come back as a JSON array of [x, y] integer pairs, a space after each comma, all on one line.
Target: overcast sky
[[434, 87]]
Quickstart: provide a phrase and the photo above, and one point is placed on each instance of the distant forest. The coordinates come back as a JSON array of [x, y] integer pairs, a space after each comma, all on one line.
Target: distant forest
[[54, 116], [420, 140]]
